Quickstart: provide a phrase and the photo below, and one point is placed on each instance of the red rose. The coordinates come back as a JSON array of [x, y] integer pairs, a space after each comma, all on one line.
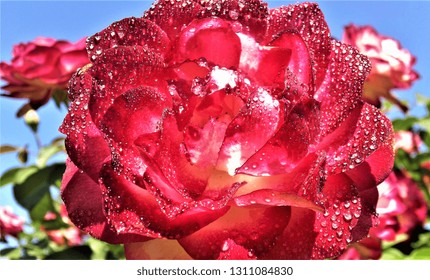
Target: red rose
[[368, 248], [408, 141], [391, 64], [401, 207], [10, 223], [40, 67], [224, 130]]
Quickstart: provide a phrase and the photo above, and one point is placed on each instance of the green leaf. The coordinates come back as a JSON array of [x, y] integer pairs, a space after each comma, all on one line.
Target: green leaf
[[420, 254], [404, 124], [47, 152], [42, 207], [8, 148], [425, 123], [60, 96], [72, 253], [392, 254], [17, 175], [35, 187], [11, 253]]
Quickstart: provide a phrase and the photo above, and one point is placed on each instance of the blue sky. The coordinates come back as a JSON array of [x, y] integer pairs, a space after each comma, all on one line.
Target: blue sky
[[22, 21]]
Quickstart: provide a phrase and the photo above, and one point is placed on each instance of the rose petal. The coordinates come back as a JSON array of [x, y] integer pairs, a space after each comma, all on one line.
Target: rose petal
[[202, 39], [253, 228], [129, 32], [232, 251], [262, 115], [83, 200], [150, 208], [84, 142], [131, 67], [251, 14], [172, 16], [156, 249], [308, 20], [342, 88], [289, 145]]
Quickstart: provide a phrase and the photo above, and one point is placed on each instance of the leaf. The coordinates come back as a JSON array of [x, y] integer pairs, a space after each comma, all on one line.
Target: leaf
[[60, 96], [33, 189], [11, 253], [420, 254], [17, 175], [47, 152], [8, 148], [42, 207], [404, 124], [392, 254], [23, 155], [72, 253], [425, 123]]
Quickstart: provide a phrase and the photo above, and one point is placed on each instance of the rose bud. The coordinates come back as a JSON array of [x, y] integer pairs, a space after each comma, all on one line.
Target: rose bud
[[41, 67], [224, 129], [391, 64]]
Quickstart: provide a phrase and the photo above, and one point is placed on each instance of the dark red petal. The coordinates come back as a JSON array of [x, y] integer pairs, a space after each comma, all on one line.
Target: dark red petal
[[156, 249], [342, 88], [297, 240], [253, 228], [83, 200], [289, 145], [118, 70], [308, 20], [211, 39], [173, 16], [248, 15], [129, 32], [149, 207], [262, 116], [84, 142]]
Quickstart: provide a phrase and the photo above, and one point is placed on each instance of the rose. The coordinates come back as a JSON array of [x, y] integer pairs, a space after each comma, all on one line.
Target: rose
[[408, 141], [71, 236], [224, 129], [391, 64], [10, 223], [40, 67], [401, 207]]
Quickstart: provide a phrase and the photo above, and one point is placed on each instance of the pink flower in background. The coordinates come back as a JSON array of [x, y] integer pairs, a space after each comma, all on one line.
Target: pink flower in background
[[224, 129], [40, 67], [407, 141], [10, 223], [391, 64], [70, 236], [401, 207]]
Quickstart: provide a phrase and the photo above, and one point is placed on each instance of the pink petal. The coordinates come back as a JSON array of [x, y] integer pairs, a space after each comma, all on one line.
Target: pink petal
[[289, 145], [202, 39], [129, 32], [253, 228], [308, 20], [262, 115], [342, 88]]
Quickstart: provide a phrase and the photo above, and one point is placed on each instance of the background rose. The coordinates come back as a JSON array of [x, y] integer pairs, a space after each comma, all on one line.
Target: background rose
[[391, 64], [40, 67], [71, 235], [401, 207], [10, 223], [261, 148]]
